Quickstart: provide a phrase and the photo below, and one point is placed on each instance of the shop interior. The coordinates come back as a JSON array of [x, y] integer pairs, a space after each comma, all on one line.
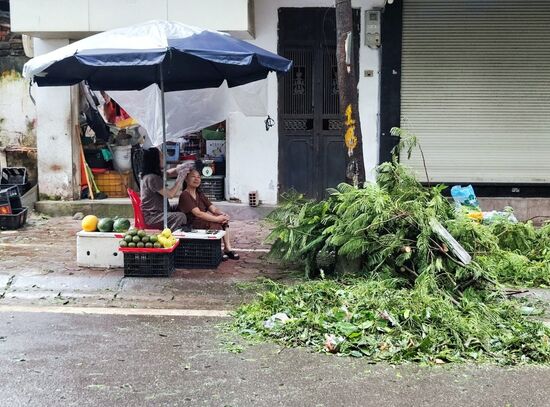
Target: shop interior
[[112, 144]]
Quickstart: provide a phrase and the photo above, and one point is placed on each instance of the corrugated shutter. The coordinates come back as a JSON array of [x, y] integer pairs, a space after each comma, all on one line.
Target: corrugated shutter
[[476, 89]]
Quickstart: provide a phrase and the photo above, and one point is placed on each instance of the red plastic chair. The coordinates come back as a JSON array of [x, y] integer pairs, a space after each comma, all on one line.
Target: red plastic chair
[[139, 221]]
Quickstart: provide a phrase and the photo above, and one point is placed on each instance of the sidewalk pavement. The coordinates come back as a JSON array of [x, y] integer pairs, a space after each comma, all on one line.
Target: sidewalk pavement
[[38, 267]]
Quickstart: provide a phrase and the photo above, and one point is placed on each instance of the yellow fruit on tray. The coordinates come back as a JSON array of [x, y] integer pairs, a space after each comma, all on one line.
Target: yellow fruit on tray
[[166, 242], [89, 223], [166, 232]]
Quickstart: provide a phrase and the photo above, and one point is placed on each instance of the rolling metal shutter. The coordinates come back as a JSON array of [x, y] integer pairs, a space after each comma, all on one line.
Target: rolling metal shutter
[[476, 89]]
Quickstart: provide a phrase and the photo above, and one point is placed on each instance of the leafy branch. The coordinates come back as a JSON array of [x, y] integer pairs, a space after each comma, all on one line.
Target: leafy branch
[[408, 142]]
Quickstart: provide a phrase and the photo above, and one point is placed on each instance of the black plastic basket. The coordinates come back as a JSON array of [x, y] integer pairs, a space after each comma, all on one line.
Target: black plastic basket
[[219, 166], [4, 197], [198, 253], [15, 220], [148, 264], [213, 187], [14, 176], [21, 188], [11, 195]]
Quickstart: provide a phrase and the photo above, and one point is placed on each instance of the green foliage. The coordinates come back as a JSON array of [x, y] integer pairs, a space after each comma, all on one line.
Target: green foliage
[[476, 238], [407, 142], [298, 233], [383, 319], [516, 237], [516, 269], [407, 296], [385, 227]]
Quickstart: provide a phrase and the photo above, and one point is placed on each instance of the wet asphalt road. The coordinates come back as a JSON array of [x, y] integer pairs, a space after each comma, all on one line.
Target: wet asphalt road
[[114, 360]]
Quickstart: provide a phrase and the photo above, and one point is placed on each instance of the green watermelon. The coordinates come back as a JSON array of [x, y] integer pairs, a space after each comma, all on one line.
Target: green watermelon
[[121, 225], [105, 225]]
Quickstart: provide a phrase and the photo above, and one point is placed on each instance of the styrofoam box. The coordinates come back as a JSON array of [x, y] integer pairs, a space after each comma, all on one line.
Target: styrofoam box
[[97, 249], [199, 234], [215, 148]]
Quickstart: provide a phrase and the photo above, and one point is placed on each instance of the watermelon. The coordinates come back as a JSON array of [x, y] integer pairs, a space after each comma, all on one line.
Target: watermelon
[[105, 225], [121, 225]]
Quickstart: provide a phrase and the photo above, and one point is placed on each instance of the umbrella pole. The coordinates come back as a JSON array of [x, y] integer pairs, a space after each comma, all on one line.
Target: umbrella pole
[[165, 198]]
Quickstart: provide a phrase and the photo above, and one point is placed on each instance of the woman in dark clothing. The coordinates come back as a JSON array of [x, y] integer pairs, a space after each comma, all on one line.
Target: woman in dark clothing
[[202, 214], [153, 191]]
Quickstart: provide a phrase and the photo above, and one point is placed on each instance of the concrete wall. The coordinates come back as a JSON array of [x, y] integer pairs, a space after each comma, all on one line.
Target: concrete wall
[[17, 112], [78, 18], [58, 152], [247, 136]]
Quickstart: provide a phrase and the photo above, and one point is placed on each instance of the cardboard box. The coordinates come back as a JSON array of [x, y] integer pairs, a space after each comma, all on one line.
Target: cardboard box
[[215, 148]]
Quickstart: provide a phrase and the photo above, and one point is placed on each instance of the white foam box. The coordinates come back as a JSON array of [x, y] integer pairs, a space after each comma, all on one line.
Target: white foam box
[[215, 148], [200, 234], [98, 249]]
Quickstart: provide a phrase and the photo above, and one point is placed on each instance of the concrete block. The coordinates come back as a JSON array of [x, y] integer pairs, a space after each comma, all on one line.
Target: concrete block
[[121, 207], [105, 208]]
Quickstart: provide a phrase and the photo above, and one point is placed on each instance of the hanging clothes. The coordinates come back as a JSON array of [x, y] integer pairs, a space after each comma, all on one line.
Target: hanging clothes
[[115, 114]]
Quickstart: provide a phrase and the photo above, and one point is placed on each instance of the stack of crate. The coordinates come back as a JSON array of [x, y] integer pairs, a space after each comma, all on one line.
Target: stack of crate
[[12, 214]]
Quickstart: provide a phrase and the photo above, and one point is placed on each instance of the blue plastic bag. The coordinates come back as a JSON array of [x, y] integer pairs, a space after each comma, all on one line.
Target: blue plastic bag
[[465, 196]]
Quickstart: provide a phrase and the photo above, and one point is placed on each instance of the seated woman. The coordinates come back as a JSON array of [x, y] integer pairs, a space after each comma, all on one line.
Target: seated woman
[[153, 191], [202, 214]]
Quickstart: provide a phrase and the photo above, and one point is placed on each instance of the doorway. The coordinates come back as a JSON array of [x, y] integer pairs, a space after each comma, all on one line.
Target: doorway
[[312, 155]]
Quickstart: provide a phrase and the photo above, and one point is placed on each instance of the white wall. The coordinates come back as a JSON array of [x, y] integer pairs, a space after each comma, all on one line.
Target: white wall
[[252, 153], [17, 112], [78, 18], [58, 164]]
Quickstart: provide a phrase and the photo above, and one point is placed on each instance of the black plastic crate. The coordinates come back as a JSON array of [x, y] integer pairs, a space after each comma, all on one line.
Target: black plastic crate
[[219, 166], [4, 197], [21, 189], [198, 254], [141, 264], [213, 187], [14, 176], [15, 220], [10, 195]]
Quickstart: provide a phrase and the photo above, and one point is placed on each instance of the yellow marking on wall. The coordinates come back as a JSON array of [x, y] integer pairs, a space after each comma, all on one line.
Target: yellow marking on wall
[[350, 138]]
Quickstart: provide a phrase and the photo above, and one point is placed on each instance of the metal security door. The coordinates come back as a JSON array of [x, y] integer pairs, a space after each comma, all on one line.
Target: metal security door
[[311, 148], [475, 89]]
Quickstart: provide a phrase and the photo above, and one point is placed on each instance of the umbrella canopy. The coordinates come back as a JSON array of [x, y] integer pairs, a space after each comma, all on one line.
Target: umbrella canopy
[[175, 56], [129, 59]]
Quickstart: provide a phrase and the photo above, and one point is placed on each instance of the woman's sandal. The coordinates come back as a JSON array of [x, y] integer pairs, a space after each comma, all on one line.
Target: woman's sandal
[[231, 255]]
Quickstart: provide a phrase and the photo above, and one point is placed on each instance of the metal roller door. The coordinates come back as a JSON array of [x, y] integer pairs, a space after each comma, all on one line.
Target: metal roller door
[[476, 89]]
